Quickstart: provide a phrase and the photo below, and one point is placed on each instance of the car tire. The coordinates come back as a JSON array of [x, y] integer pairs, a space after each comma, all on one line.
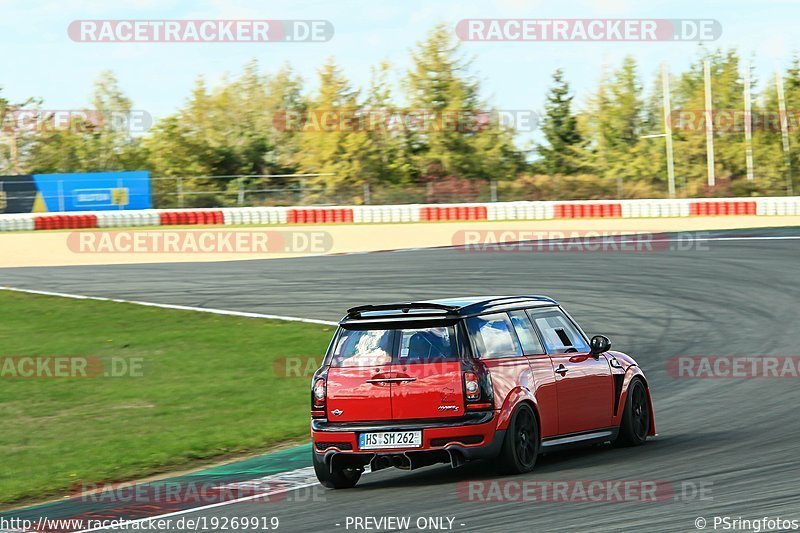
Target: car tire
[[337, 478], [521, 442], [636, 417]]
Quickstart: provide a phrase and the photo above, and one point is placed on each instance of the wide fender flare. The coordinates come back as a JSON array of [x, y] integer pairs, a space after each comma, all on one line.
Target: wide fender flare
[[514, 398], [631, 373]]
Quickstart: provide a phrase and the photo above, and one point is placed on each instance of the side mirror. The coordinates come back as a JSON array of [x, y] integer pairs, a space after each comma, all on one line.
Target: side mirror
[[599, 344]]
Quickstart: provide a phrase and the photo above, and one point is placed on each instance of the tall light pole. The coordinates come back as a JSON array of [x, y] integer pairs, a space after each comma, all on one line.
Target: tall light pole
[[784, 133], [709, 124], [748, 124], [668, 130]]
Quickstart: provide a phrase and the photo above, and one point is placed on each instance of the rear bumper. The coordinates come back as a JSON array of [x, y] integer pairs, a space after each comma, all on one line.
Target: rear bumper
[[451, 441]]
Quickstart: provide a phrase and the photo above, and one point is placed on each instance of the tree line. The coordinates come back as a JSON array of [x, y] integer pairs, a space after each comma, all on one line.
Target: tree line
[[431, 136]]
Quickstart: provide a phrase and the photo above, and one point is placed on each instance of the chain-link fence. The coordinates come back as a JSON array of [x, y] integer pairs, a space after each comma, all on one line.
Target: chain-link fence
[[317, 189], [310, 189], [326, 189]]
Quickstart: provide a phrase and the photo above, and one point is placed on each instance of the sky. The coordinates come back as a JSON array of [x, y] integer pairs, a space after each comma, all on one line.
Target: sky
[[38, 58]]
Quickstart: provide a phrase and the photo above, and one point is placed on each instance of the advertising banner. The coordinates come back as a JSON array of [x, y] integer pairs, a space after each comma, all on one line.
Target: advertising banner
[[89, 191], [95, 191], [17, 194]]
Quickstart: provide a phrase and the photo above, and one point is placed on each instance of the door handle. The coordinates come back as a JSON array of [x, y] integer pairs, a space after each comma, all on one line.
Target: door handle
[[391, 380], [562, 370]]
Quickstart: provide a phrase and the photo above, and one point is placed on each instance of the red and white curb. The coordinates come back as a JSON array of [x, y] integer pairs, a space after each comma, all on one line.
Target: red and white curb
[[407, 213]]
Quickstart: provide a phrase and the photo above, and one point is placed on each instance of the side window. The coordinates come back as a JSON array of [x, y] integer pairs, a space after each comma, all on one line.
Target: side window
[[559, 335], [531, 345], [493, 336]]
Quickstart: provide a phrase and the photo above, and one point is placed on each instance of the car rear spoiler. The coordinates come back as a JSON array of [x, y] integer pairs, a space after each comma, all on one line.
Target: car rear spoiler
[[403, 310]]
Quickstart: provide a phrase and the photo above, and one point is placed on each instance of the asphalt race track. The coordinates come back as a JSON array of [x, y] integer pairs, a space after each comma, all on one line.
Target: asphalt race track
[[738, 438]]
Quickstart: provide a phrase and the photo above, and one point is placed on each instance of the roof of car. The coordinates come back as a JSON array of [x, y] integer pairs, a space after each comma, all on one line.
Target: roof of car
[[446, 307]]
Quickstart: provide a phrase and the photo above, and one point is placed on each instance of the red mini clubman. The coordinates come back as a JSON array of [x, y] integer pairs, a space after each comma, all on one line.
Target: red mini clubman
[[448, 381]]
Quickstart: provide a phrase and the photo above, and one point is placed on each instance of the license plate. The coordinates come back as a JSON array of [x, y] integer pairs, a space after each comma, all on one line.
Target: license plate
[[390, 439]]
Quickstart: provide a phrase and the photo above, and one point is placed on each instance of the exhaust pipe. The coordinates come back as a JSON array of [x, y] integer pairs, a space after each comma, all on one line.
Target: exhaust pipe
[[401, 461], [380, 462], [343, 460], [414, 460], [456, 458]]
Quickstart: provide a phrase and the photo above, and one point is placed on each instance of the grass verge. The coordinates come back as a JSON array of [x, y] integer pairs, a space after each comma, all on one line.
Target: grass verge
[[193, 387]]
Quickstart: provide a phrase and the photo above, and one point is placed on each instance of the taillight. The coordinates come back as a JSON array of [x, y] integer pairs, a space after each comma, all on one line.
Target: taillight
[[318, 394], [478, 394], [471, 386]]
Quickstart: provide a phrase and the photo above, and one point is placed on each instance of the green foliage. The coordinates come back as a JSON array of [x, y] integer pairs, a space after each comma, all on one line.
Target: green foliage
[[562, 152], [97, 140], [423, 135], [327, 144], [615, 123], [227, 131], [441, 84]]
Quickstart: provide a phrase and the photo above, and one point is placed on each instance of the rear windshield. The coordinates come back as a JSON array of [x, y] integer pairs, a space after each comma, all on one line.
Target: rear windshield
[[428, 345], [368, 347], [372, 347]]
